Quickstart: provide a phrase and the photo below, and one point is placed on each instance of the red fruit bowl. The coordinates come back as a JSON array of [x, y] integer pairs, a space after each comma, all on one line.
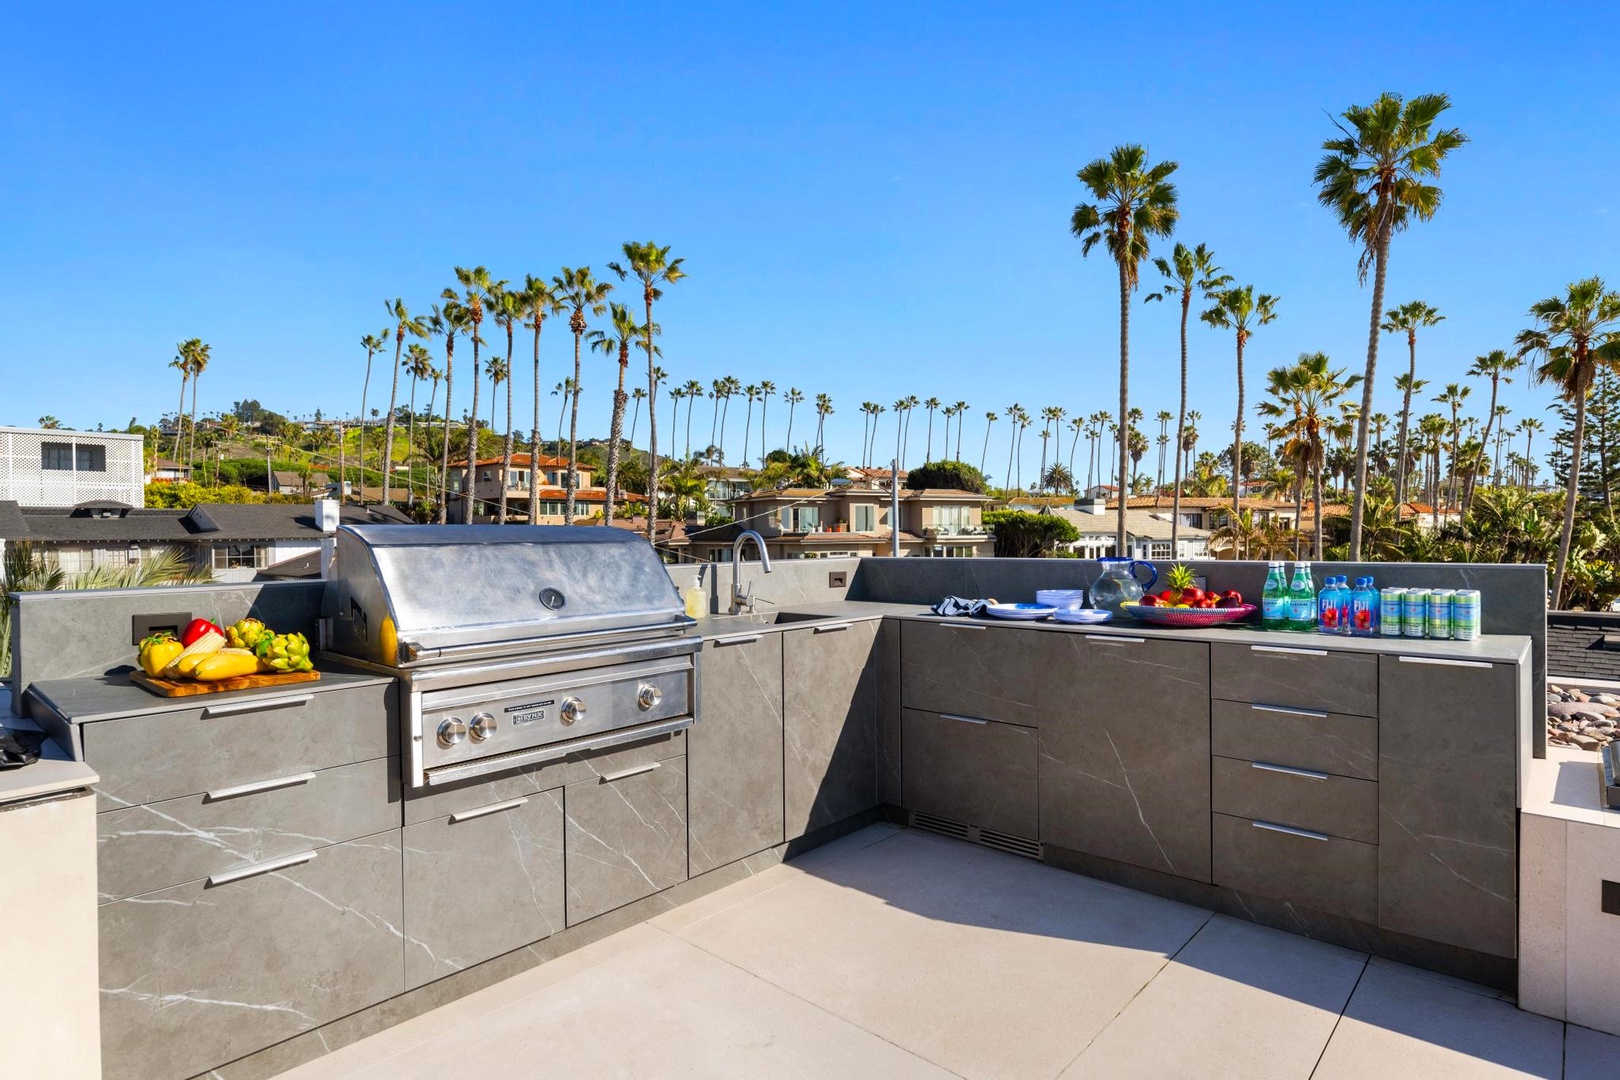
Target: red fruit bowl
[[1167, 616]]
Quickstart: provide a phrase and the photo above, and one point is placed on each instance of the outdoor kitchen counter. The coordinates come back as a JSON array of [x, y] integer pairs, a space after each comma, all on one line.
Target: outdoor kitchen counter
[[113, 697]]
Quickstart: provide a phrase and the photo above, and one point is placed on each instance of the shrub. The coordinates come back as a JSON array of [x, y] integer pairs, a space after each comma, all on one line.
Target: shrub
[[1023, 535], [951, 475]]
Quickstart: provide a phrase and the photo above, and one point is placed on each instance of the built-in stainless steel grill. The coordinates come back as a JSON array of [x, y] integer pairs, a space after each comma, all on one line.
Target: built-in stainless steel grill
[[513, 644]]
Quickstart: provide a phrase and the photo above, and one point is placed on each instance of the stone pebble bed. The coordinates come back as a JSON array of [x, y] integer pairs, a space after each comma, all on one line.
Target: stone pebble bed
[[1582, 719]]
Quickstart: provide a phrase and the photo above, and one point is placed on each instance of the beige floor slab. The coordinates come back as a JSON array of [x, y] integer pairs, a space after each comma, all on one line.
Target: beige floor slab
[[1590, 1055], [982, 962], [1399, 1026], [1238, 1001]]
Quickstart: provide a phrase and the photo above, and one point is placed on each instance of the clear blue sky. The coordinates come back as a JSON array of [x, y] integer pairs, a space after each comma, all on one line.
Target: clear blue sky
[[872, 199]]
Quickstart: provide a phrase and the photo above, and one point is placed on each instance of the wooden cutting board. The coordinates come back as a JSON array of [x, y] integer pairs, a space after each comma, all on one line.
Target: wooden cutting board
[[193, 688]]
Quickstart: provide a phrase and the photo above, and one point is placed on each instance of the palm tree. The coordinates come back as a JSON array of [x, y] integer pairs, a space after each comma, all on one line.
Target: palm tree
[[1015, 412], [1452, 397], [823, 410], [1050, 415], [1163, 417], [1374, 179], [653, 267], [751, 392], [1239, 310], [1189, 440], [182, 364], [928, 449], [1574, 336], [476, 285], [500, 373], [404, 324], [536, 301], [1408, 319], [694, 393], [1078, 426], [733, 388], [766, 390], [989, 422], [1187, 271], [961, 408], [566, 389], [579, 291], [638, 395], [200, 354], [419, 362], [456, 318], [1529, 425], [1497, 366], [677, 394], [717, 390], [792, 397], [1307, 394], [617, 345], [1135, 202]]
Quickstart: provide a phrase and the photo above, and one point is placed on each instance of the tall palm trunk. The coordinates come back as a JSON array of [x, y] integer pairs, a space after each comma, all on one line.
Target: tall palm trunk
[[1237, 433], [577, 325], [191, 440], [725, 410], [506, 445], [985, 452], [1299, 510], [1316, 494], [1571, 490], [763, 402], [748, 426], [792, 405], [468, 501], [1124, 399], [1358, 498], [1181, 432], [410, 443], [689, 404], [652, 418], [635, 418], [1012, 449], [180, 420], [534, 431], [342, 461], [714, 424], [388, 425], [444, 450], [1406, 420], [615, 433], [568, 393]]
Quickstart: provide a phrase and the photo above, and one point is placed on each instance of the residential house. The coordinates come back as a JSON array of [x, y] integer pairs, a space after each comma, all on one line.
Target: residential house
[[850, 520], [286, 482], [52, 467], [165, 471], [1147, 532], [589, 498]]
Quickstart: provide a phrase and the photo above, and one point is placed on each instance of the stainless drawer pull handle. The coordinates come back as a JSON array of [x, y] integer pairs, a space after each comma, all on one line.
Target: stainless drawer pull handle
[[1442, 663], [1286, 651], [965, 626], [1309, 774], [621, 774], [1314, 714], [1115, 639], [260, 868], [741, 640], [1290, 830], [255, 704], [258, 786], [831, 628], [964, 719], [468, 815]]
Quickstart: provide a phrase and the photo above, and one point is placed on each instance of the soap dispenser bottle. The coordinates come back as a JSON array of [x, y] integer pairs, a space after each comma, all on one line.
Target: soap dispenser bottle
[[696, 598]]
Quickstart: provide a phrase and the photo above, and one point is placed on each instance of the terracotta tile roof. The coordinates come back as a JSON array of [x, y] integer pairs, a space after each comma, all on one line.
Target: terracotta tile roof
[[522, 460]]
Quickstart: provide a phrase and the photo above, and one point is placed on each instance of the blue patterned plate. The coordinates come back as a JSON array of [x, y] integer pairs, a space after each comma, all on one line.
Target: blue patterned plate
[[1028, 612]]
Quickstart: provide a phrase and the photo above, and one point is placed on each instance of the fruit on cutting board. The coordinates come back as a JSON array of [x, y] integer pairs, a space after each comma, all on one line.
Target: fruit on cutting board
[[187, 661], [196, 629], [284, 653], [226, 664], [245, 633], [158, 651]]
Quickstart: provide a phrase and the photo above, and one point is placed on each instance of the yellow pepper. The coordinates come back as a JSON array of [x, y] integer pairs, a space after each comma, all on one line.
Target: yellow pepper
[[158, 651]]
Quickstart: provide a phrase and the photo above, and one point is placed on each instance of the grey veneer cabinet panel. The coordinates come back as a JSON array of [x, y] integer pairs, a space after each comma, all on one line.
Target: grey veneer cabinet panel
[[625, 837], [1304, 675], [195, 976], [156, 845], [1336, 805], [973, 771], [1124, 750], [830, 736], [889, 704], [973, 669], [734, 752], [1447, 828], [482, 882], [1310, 739], [1328, 874]]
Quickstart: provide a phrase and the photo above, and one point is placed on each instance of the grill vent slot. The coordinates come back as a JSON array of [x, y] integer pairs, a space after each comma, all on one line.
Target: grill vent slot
[[957, 830]]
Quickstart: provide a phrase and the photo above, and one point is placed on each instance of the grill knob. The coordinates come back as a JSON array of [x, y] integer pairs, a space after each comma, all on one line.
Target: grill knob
[[649, 696], [483, 726], [451, 731], [572, 709]]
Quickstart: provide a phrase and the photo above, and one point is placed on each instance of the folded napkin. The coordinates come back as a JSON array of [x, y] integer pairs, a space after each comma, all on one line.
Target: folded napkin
[[956, 605], [19, 748]]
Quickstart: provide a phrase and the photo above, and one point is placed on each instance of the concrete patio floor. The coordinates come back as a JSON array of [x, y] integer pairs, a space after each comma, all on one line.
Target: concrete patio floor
[[895, 953]]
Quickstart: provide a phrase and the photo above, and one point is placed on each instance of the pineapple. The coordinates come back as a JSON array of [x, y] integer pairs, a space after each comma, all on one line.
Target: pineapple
[[1180, 582]]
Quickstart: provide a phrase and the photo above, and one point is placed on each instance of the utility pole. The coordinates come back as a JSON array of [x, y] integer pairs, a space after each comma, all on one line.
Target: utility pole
[[894, 509]]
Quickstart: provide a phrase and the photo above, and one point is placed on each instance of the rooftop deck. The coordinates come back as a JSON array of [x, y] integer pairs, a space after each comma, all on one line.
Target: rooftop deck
[[894, 953]]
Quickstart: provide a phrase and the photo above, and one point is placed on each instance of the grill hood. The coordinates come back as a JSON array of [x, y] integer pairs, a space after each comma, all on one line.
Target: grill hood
[[404, 595]]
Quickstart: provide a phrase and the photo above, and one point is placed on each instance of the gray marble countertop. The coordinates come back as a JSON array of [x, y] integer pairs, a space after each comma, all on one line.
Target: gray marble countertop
[[1494, 648], [110, 697], [54, 772]]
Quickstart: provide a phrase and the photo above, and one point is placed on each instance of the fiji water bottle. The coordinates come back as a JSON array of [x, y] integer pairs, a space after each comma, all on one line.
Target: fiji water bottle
[[1302, 599], [1329, 606], [1365, 603], [1342, 600], [1274, 608]]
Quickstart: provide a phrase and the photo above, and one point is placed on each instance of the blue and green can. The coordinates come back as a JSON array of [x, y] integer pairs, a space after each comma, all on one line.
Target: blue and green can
[[1415, 613], [1440, 613], [1391, 611], [1465, 614]]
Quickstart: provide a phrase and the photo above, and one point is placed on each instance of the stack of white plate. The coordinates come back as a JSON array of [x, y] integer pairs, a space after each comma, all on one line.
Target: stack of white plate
[[1062, 599]]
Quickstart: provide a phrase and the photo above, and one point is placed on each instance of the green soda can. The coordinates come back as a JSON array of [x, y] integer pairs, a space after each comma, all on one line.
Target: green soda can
[[1440, 613], [1415, 613], [1391, 613], [1465, 614]]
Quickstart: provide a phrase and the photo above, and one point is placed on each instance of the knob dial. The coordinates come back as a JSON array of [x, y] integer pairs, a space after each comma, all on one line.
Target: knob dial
[[649, 696], [572, 709], [483, 726], [451, 731]]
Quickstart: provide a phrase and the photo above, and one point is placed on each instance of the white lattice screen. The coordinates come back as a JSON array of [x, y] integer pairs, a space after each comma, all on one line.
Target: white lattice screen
[[85, 467]]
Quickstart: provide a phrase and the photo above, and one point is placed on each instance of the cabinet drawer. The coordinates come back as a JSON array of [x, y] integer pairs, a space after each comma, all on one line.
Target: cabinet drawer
[[956, 666], [156, 845], [1303, 675], [513, 851], [236, 740], [1305, 799], [970, 770], [1326, 873], [624, 837], [1309, 738], [197, 975]]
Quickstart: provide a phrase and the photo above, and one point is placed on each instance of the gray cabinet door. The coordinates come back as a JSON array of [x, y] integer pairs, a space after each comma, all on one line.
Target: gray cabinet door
[[970, 668], [734, 752], [974, 771], [482, 882], [830, 697], [1124, 751], [198, 975], [1447, 768], [625, 837]]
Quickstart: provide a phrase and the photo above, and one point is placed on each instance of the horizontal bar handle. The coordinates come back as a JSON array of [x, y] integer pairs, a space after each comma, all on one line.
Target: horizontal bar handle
[[741, 639], [1290, 830], [1309, 774], [1313, 714], [226, 708], [1115, 639], [258, 786], [964, 719], [1287, 651], [1442, 663], [831, 628], [261, 868], [966, 626], [468, 815], [608, 778]]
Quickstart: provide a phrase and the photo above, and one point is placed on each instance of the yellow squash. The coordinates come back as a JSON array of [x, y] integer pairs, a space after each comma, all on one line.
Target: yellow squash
[[226, 664]]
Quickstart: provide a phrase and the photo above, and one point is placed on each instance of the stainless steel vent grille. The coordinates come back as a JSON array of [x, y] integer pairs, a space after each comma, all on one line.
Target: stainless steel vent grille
[[957, 830], [943, 826], [1016, 845]]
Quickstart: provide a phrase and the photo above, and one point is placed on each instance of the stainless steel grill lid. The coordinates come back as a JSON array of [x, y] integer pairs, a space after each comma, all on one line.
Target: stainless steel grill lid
[[408, 594]]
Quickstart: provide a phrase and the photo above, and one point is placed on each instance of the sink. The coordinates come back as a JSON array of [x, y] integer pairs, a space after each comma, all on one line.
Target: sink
[[772, 618]]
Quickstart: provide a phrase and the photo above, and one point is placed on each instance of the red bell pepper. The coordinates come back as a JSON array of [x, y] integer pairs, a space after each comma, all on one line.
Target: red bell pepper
[[196, 629]]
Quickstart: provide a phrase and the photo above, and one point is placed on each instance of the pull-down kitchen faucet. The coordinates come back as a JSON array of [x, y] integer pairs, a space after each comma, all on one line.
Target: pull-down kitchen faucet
[[743, 599]]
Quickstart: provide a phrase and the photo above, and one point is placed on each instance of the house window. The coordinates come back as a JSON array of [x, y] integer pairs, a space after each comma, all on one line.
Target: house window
[[240, 557], [484, 477], [73, 560], [951, 519], [1159, 549], [953, 551], [801, 518], [90, 458], [56, 456], [863, 517]]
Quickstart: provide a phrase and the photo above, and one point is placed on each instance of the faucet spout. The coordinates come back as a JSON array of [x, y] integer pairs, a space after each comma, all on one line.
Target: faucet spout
[[743, 599]]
